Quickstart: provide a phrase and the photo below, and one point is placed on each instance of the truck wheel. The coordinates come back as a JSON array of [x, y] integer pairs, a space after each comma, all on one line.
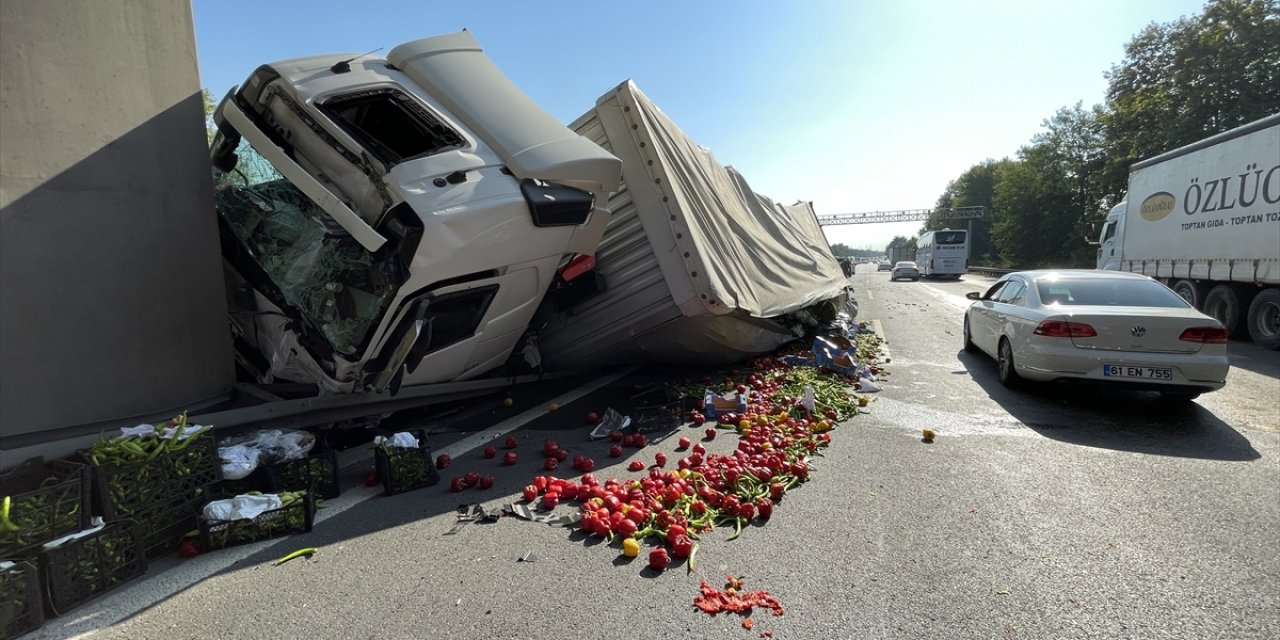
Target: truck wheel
[[1190, 290], [1223, 303], [1264, 319]]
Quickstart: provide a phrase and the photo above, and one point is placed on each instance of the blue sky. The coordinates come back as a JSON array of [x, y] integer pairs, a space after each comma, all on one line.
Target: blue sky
[[854, 105]]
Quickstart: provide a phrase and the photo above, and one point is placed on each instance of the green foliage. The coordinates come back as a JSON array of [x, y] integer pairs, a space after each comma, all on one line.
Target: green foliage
[[209, 106], [1179, 82], [841, 250]]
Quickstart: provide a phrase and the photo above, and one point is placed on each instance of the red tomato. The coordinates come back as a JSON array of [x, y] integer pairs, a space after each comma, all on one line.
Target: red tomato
[[443, 461], [490, 451]]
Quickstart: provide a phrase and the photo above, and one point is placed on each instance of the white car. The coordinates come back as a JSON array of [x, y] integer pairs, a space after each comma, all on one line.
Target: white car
[[905, 269], [1112, 327]]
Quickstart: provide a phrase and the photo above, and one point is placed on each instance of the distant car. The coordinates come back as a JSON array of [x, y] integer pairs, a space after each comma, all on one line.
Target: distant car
[[884, 266], [1111, 327], [905, 269]]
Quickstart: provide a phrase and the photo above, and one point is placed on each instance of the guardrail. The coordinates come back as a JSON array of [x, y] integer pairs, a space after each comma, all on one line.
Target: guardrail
[[990, 271]]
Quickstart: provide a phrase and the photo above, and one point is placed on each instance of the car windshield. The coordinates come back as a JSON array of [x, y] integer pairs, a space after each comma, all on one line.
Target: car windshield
[[1108, 292], [906, 265]]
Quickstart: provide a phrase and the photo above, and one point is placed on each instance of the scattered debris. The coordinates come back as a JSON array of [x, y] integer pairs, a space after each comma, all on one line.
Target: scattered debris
[[734, 599], [927, 435], [528, 556]]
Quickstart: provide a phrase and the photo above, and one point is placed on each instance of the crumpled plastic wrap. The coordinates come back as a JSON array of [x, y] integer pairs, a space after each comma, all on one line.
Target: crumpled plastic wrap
[[404, 440], [243, 507]]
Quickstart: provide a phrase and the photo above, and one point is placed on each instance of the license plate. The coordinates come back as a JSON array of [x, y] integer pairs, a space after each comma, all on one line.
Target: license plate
[[1144, 373]]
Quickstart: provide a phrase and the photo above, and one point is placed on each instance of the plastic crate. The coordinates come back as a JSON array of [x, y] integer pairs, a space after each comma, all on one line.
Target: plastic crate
[[318, 471], [80, 570], [402, 469], [297, 517], [166, 526], [46, 501], [21, 609], [122, 490]]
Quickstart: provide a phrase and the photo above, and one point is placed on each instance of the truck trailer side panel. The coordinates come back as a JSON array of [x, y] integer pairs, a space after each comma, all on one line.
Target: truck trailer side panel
[[1211, 212]]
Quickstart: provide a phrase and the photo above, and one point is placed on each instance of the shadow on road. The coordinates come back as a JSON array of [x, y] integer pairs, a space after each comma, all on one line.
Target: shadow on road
[[1119, 419], [1246, 355]]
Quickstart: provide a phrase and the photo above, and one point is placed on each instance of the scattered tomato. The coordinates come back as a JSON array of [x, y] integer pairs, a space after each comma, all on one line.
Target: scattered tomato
[[490, 451], [509, 458], [443, 461]]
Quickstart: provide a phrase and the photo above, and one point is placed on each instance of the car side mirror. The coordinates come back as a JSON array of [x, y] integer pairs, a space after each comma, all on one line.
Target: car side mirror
[[973, 295]]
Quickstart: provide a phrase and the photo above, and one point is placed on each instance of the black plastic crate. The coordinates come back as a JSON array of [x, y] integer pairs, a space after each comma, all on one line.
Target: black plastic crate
[[166, 526], [402, 469], [121, 490], [297, 517], [21, 608], [80, 570], [318, 471], [47, 500]]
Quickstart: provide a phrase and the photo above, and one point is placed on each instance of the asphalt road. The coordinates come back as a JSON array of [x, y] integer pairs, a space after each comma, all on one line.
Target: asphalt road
[[1046, 513]]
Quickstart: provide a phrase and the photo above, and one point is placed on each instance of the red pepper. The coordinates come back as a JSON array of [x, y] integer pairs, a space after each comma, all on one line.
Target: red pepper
[[457, 484], [765, 507], [443, 461], [550, 464], [490, 451], [776, 490], [626, 527], [486, 482], [675, 531], [512, 442], [682, 443], [549, 445], [747, 510], [615, 451], [661, 459], [550, 499], [587, 465], [635, 465], [682, 546], [659, 559], [711, 433], [530, 493], [541, 483], [188, 549], [471, 478], [509, 458], [616, 437]]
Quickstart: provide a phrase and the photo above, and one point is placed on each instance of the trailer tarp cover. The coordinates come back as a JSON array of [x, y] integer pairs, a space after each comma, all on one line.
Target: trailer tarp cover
[[751, 254]]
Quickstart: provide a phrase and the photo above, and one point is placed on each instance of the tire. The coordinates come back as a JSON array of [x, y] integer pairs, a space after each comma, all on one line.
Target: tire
[[1223, 304], [1004, 365], [1191, 291], [1264, 319], [969, 346], [915, 279], [1178, 397]]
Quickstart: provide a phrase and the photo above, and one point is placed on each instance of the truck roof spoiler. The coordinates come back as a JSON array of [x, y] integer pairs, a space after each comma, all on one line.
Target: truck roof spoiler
[[532, 144]]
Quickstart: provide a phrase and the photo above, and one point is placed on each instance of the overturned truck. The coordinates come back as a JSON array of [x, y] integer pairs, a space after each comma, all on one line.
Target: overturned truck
[[417, 219], [396, 221]]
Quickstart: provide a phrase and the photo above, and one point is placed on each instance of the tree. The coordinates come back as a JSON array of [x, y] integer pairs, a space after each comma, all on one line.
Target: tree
[[974, 188], [1041, 203], [1186, 80], [209, 127]]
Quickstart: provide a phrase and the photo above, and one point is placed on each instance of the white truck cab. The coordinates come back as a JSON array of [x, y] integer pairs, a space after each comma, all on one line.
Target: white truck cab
[[396, 221], [1111, 238]]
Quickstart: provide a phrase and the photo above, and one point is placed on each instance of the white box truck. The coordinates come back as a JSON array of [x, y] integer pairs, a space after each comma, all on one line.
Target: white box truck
[[1205, 220]]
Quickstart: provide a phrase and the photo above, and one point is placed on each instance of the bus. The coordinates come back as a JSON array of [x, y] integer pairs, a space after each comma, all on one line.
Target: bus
[[943, 253]]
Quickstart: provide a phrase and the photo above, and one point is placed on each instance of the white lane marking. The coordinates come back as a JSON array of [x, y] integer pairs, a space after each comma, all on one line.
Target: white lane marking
[[871, 294], [957, 301], [519, 420]]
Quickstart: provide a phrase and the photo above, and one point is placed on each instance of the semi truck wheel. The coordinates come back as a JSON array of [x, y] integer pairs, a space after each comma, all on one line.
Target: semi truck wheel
[[1190, 291], [1223, 303], [1264, 319]]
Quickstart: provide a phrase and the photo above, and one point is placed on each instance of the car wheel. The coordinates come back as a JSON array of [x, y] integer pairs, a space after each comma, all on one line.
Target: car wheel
[[1264, 319], [915, 279], [969, 346], [1178, 397], [1004, 365]]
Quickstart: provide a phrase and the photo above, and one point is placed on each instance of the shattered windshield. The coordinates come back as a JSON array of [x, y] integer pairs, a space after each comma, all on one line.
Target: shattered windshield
[[338, 286]]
